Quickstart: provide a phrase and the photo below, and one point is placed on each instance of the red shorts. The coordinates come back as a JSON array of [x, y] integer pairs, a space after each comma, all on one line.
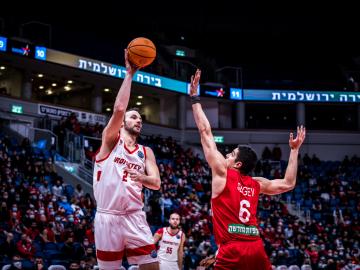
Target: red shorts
[[244, 255]]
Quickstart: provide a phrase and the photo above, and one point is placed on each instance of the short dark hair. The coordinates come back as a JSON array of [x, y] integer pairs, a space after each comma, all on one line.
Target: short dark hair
[[247, 156], [174, 213]]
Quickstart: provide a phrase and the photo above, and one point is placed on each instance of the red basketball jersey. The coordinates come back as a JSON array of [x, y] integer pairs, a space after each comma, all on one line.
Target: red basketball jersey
[[234, 210]]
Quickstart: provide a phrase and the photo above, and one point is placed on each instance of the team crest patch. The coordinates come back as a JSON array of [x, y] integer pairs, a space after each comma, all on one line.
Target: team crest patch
[[153, 254], [178, 236], [140, 154]]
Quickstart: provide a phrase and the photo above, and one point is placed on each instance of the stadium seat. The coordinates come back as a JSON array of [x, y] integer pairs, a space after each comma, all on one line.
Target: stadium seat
[[294, 267], [53, 254], [50, 246], [27, 264]]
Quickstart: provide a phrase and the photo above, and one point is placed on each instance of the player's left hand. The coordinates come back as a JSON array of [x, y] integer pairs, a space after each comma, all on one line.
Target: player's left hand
[[300, 137], [194, 84], [134, 175]]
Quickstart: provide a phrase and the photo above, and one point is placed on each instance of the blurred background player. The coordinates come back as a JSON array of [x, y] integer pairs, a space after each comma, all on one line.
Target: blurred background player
[[121, 169], [235, 194], [171, 244]]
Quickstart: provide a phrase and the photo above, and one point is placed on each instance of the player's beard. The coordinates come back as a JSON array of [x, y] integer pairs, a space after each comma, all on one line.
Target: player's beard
[[174, 227], [131, 130]]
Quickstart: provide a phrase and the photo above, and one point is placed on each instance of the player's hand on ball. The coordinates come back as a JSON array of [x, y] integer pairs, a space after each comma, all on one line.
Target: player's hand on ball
[[195, 83], [134, 175], [130, 68]]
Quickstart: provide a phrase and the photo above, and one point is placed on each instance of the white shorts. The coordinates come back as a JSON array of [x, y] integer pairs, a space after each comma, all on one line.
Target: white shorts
[[119, 235], [166, 265]]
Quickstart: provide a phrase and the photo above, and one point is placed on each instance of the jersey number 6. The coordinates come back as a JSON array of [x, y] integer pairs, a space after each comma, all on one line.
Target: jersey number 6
[[244, 214]]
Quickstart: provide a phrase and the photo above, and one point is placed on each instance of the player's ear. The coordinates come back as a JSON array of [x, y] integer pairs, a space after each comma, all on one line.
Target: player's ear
[[238, 165]]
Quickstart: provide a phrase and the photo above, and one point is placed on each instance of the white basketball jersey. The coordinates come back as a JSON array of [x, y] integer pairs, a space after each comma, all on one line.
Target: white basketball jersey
[[114, 191], [169, 245]]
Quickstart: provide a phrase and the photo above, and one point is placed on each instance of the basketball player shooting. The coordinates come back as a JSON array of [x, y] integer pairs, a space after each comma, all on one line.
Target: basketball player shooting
[[171, 244], [235, 194], [122, 167]]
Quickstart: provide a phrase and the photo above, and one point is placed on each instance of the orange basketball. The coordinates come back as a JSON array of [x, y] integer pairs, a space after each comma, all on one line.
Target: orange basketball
[[141, 51]]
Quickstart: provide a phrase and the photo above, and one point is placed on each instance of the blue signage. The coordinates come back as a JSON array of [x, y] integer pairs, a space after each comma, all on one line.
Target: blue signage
[[301, 96], [140, 76], [40, 53], [236, 93], [3, 42]]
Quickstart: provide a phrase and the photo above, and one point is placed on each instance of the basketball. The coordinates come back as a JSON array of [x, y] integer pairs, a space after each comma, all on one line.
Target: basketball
[[141, 51]]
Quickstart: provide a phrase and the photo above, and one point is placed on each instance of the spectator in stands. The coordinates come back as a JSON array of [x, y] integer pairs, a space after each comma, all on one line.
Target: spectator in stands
[[79, 191], [16, 263], [48, 234], [7, 245], [58, 189], [25, 247], [39, 264], [338, 216], [74, 265]]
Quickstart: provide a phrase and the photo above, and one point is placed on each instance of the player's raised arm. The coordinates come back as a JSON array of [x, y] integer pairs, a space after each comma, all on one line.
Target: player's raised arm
[[215, 159], [112, 129], [278, 186]]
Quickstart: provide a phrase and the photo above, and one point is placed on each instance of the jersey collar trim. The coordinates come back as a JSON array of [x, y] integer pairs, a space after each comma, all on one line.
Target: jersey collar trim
[[133, 151]]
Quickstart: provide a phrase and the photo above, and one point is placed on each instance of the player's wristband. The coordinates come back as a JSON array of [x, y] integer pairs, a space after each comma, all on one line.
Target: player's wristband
[[195, 99]]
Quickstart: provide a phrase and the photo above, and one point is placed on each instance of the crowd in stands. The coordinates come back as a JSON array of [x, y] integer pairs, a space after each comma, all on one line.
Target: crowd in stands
[[44, 221]]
